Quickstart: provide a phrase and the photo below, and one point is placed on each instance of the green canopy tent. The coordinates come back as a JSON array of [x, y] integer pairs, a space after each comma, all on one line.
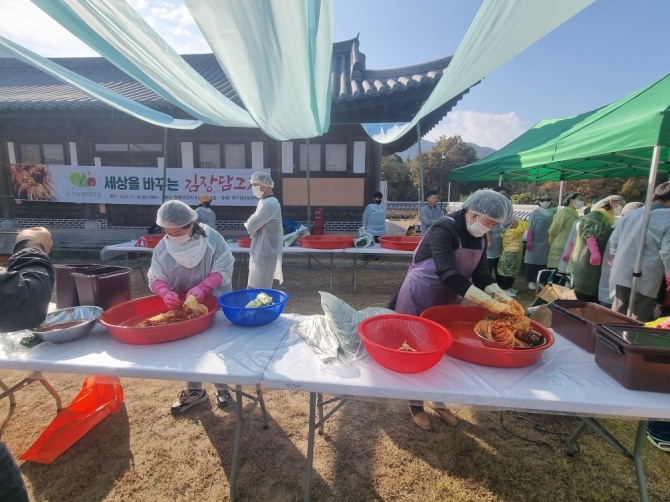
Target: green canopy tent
[[629, 137]]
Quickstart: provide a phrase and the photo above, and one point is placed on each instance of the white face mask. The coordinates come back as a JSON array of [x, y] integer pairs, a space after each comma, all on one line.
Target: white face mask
[[579, 204], [257, 191], [545, 204], [182, 239], [477, 229], [617, 210]]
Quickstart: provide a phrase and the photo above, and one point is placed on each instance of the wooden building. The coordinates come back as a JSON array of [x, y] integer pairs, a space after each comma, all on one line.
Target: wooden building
[[45, 121]]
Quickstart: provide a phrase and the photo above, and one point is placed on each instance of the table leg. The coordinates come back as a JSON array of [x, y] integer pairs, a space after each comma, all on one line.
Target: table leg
[[331, 272], [636, 456], [354, 274], [261, 402], [239, 423], [310, 445]]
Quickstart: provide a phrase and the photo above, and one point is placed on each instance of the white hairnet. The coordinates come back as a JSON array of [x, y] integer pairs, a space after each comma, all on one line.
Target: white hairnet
[[175, 214], [631, 206], [612, 199], [491, 204], [263, 178]]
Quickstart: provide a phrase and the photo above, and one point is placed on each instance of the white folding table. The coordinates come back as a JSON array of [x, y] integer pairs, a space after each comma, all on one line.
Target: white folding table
[[565, 381], [224, 353]]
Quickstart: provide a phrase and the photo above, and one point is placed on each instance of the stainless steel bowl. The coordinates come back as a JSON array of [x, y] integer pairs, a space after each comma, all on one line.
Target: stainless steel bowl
[[85, 316]]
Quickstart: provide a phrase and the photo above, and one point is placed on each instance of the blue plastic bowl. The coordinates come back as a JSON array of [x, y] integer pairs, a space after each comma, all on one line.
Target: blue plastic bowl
[[233, 306]]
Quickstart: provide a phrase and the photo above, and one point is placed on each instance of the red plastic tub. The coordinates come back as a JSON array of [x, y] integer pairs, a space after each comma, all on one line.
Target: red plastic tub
[[468, 346], [400, 242], [121, 320], [326, 241], [244, 242], [148, 241]]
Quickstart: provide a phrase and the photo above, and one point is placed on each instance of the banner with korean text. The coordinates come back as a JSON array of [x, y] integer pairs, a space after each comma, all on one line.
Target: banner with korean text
[[130, 185]]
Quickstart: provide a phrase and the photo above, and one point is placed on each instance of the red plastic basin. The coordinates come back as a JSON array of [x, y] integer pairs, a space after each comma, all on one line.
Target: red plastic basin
[[148, 241], [244, 242], [468, 346], [326, 241], [121, 319], [400, 242]]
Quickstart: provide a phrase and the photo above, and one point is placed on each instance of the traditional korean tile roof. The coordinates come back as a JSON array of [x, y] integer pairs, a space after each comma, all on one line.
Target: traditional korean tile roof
[[359, 94]]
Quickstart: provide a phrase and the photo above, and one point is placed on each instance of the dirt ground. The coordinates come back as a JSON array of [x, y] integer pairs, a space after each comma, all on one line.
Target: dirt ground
[[370, 451]]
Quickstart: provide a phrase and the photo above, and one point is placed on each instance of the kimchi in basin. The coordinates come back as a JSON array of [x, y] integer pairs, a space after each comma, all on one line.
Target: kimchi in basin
[[468, 346], [121, 321]]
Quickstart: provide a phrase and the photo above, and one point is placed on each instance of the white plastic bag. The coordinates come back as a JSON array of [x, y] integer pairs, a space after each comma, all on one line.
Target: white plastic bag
[[364, 239], [290, 239]]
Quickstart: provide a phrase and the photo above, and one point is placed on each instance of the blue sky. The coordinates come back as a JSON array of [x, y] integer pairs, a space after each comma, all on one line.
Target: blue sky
[[610, 49]]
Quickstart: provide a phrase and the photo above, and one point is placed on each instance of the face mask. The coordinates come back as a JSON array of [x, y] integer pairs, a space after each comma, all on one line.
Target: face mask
[[545, 204], [579, 204], [257, 191], [477, 229], [378, 201], [617, 210], [182, 239]]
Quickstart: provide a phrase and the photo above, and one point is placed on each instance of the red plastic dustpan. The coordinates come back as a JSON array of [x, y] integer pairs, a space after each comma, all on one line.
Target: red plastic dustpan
[[94, 402]]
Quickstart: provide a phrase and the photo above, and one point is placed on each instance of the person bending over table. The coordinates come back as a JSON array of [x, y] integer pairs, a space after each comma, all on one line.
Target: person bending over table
[[450, 265], [267, 232], [26, 286], [192, 259]]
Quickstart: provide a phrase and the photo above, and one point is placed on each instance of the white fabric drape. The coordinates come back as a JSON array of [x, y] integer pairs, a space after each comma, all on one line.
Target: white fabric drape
[[277, 54], [120, 35], [100, 92], [500, 31]]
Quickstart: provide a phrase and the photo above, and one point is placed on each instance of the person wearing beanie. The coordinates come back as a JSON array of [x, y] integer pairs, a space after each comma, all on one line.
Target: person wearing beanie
[[205, 213]]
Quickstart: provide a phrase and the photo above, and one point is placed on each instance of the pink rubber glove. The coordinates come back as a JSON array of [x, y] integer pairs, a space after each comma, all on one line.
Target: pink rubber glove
[[529, 240], [568, 252], [162, 289], [213, 281], [596, 258]]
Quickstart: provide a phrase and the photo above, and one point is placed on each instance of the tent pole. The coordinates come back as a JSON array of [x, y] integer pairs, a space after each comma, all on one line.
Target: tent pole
[[165, 180], [418, 135], [560, 193], [309, 199], [643, 231], [500, 179], [448, 196]]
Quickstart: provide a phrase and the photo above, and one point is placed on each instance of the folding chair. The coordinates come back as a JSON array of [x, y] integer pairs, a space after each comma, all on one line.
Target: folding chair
[[552, 276]]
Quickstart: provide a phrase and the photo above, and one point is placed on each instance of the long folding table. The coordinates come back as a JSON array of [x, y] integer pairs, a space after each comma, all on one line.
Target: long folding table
[[224, 353], [565, 381]]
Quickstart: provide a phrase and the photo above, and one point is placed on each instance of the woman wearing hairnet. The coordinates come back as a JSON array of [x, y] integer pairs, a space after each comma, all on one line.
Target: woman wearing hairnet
[[195, 260], [586, 258], [559, 230], [450, 265], [537, 238], [266, 230]]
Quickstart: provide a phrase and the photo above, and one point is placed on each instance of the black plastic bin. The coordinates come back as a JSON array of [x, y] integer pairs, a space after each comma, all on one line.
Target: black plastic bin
[[66, 286], [104, 286]]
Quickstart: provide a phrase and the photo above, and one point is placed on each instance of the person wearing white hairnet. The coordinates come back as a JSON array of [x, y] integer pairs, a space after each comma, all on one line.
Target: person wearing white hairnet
[[195, 260], [537, 238], [655, 257], [266, 231], [593, 231], [449, 265], [606, 268], [560, 227]]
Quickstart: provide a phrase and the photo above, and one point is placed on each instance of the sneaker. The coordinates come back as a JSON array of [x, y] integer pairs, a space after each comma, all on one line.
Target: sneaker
[[532, 285], [510, 293], [187, 399], [223, 397]]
